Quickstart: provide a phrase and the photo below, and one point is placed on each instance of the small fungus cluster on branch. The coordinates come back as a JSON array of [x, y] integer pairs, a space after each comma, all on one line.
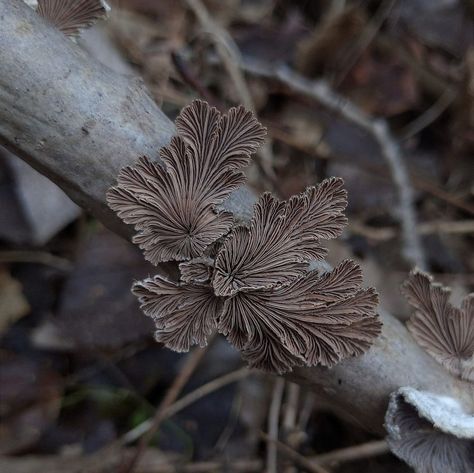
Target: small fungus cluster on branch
[[444, 331], [251, 283]]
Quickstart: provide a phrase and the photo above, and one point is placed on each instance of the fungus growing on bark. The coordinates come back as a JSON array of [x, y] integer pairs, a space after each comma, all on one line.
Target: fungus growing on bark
[[283, 237], [70, 16], [184, 314], [173, 207], [444, 331], [431, 433], [315, 319], [251, 284]]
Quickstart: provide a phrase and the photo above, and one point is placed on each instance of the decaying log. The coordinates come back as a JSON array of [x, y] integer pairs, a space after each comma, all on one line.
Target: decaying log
[[78, 123]]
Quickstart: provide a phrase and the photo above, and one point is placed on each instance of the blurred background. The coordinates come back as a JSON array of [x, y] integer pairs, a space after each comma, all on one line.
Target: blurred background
[[79, 369]]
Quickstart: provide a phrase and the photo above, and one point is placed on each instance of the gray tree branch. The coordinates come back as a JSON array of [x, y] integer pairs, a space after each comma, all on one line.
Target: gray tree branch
[[78, 123]]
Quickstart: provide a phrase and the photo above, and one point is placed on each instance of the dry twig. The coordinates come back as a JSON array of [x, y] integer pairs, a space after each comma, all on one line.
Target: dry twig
[[191, 362], [231, 58], [273, 421], [358, 452], [186, 400], [299, 459], [378, 128]]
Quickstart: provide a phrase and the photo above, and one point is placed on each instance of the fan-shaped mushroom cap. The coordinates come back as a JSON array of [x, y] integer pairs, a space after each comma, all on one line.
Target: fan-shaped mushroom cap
[[432, 433], [173, 208], [444, 331], [70, 16]]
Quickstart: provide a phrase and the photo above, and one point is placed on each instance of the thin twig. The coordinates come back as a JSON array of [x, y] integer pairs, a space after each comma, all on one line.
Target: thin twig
[[273, 421], [188, 77], [231, 59], [39, 257], [306, 411], [367, 36], [429, 115], [191, 362], [186, 400], [290, 410], [459, 227], [299, 459], [291, 406], [420, 183], [226, 48], [344, 455], [320, 91]]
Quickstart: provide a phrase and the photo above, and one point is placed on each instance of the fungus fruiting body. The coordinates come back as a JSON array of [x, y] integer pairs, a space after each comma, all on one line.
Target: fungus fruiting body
[[432, 433], [444, 331], [70, 16], [250, 283]]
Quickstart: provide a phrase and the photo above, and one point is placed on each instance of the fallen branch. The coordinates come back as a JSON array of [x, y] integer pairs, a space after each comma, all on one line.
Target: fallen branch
[[78, 123]]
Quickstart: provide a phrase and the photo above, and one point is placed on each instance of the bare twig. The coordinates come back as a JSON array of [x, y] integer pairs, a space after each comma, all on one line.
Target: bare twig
[[273, 421], [344, 455], [39, 257], [291, 406], [191, 362], [306, 411], [154, 461], [186, 400], [227, 49], [302, 461], [429, 115], [231, 58], [367, 36], [458, 227], [419, 182], [378, 128], [193, 81]]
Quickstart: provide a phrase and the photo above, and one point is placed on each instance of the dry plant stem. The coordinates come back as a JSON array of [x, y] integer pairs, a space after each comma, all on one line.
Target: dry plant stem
[[231, 59], [188, 399], [358, 452], [420, 183], [291, 406], [273, 421], [299, 459], [50, 89], [39, 257], [191, 362], [430, 115], [110, 461], [367, 36], [459, 227], [378, 128], [227, 50]]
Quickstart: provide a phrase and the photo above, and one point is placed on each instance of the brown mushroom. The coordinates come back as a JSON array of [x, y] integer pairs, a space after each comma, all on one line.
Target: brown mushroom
[[444, 331], [173, 207], [255, 287], [316, 319], [283, 237], [184, 314]]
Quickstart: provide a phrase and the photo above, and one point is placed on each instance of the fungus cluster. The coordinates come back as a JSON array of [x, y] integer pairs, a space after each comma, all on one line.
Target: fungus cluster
[[251, 283]]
